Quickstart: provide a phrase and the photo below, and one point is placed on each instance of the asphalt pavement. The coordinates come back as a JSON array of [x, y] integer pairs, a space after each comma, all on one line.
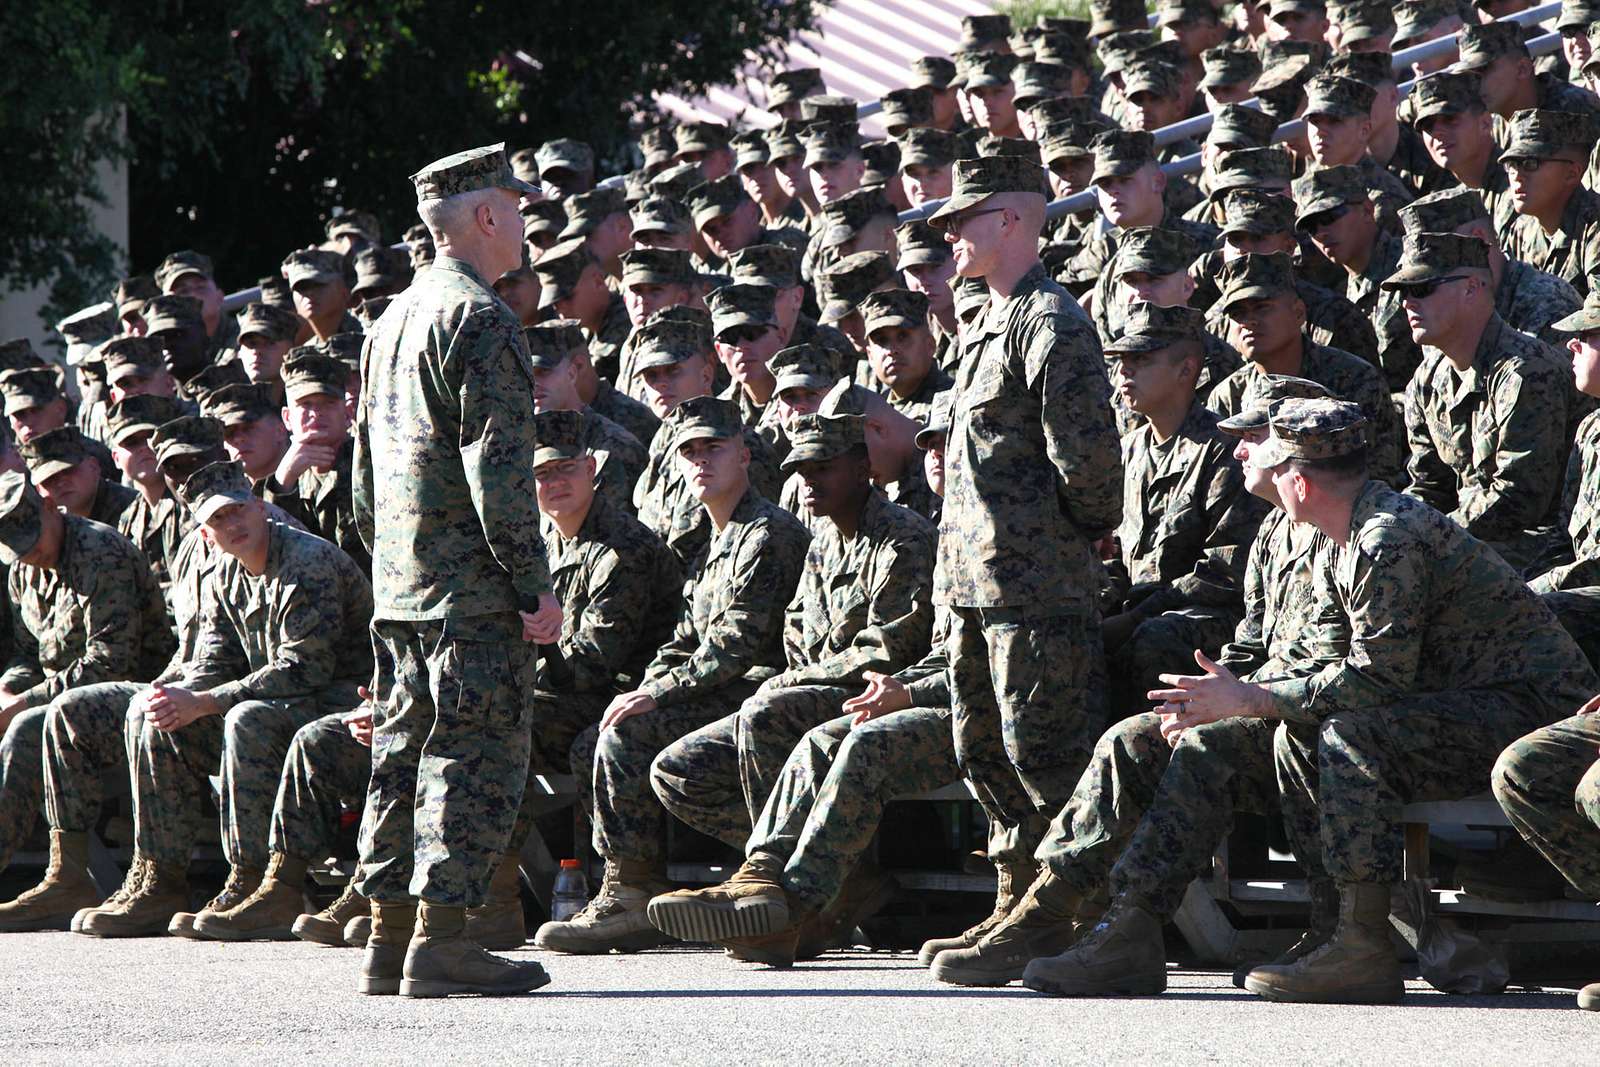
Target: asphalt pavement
[[70, 999]]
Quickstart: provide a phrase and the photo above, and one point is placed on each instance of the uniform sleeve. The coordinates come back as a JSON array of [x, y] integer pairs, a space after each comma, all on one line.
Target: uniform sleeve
[[1431, 479], [1248, 649], [112, 624], [761, 579], [1529, 442], [1232, 517], [497, 446], [621, 589], [361, 494], [1386, 605], [22, 672], [1067, 372], [303, 659]]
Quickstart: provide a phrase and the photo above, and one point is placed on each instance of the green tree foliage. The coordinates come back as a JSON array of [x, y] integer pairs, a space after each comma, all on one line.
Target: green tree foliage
[[243, 124]]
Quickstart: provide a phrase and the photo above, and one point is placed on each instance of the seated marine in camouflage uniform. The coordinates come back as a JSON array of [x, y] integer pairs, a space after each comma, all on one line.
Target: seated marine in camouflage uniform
[[896, 462], [1187, 522], [900, 351], [35, 404], [84, 608], [252, 427], [1557, 225], [153, 521], [727, 642], [280, 638], [862, 604], [68, 476], [1458, 130]]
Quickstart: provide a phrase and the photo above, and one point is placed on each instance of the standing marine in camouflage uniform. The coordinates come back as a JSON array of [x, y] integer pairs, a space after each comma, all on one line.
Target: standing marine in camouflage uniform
[[727, 642], [1033, 478], [444, 499], [84, 608], [1489, 414], [861, 605]]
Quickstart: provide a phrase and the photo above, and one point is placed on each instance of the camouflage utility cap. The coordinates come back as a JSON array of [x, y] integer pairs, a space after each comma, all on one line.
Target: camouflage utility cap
[[774, 265], [819, 438], [1157, 79], [187, 435], [378, 267], [895, 307], [1365, 22], [354, 223], [1368, 68], [970, 296], [1326, 189], [1118, 153], [312, 265], [553, 342], [934, 72], [1154, 250], [1413, 18], [1238, 126], [988, 70], [564, 154], [1312, 430], [1149, 328], [1538, 134], [749, 149], [828, 109], [559, 267], [345, 347], [1040, 81], [783, 140], [136, 354], [214, 487], [172, 312], [231, 405], [1255, 277], [658, 266], [20, 510], [883, 163], [178, 264], [1120, 49], [922, 147], [661, 214], [845, 218], [48, 454], [1109, 16], [978, 179], [1577, 14], [215, 377], [1586, 318], [1446, 211], [586, 211], [130, 295], [831, 142], [714, 199], [911, 107], [1264, 391], [700, 137], [1445, 94], [938, 419], [807, 366], [1009, 146], [1229, 65], [920, 245], [1257, 213], [1249, 168], [559, 435], [703, 418], [1431, 257], [664, 342], [790, 85], [272, 324], [980, 31], [741, 304], [1483, 43], [28, 388], [136, 414], [656, 145], [1340, 98], [308, 372], [849, 281], [469, 171]]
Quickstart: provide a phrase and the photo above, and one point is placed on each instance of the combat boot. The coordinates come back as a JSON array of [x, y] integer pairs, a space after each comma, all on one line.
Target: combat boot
[[326, 927], [268, 914], [358, 931], [1324, 918], [866, 891], [148, 910], [442, 960], [383, 963], [1589, 997], [138, 868], [1355, 966], [498, 925], [615, 919], [750, 904], [242, 881], [1044, 922], [65, 889], [1123, 955], [1011, 881]]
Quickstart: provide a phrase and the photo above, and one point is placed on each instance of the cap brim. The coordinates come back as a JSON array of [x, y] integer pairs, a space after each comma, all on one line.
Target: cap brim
[[955, 205], [837, 234], [318, 276], [49, 469], [824, 155], [1117, 169], [1231, 297], [210, 505], [155, 323], [1136, 344], [122, 433], [925, 436], [578, 228], [1466, 66], [549, 294], [690, 434], [833, 311], [802, 381], [816, 453], [550, 454], [921, 257], [1244, 422], [732, 321], [895, 319], [14, 545], [1269, 453], [1416, 274], [1315, 208], [1579, 321], [16, 404]]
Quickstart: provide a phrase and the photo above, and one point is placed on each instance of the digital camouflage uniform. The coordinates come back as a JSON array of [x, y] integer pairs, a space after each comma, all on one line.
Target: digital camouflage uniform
[[1532, 301], [96, 616], [1572, 586], [1399, 355], [861, 604], [1187, 524], [1548, 784], [625, 411], [619, 459], [1572, 252], [1450, 659], [1033, 476], [726, 643], [1489, 447], [665, 504], [444, 498], [323, 502], [275, 651]]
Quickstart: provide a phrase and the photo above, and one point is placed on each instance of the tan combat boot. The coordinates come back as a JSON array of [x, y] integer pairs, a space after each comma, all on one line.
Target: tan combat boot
[[326, 927], [1589, 997], [137, 870], [383, 963], [147, 911], [66, 888], [867, 890], [1324, 918], [615, 919], [499, 925], [358, 931], [1011, 881], [269, 913], [1123, 955], [1044, 922], [442, 960], [1355, 966], [750, 904], [242, 881]]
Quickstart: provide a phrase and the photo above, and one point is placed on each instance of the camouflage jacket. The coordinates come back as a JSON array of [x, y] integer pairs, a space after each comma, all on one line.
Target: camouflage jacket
[[619, 590], [96, 616], [733, 628], [1431, 609], [157, 529], [1349, 378], [1284, 632], [1033, 467], [1386, 191], [1090, 265], [1580, 507], [1331, 318], [325, 505], [1187, 521], [444, 494], [1412, 164], [927, 681], [665, 504], [297, 631], [1571, 252], [111, 499], [619, 458], [920, 403], [1399, 355], [605, 347], [1532, 301], [625, 411], [862, 602], [1489, 446]]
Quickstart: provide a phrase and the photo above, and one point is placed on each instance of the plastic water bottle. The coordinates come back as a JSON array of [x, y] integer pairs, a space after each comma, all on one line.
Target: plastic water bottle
[[571, 892]]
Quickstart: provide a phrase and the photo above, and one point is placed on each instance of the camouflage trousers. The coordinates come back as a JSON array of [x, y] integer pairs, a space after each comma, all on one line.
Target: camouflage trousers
[[325, 770], [1579, 612], [830, 796], [1548, 784], [1346, 780], [84, 737], [1147, 816], [718, 778], [629, 822], [1028, 696], [21, 780], [450, 742], [559, 719], [1161, 645]]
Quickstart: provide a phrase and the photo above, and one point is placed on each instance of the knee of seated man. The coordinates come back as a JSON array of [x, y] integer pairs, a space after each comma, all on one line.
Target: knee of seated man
[[239, 719], [1507, 776]]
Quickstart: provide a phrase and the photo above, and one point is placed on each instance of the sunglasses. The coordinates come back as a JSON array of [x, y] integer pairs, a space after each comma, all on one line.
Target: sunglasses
[[955, 223], [1325, 218], [1423, 290]]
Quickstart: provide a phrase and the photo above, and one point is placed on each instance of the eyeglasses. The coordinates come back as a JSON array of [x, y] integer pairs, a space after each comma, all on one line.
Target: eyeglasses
[[955, 222], [1423, 290], [1316, 222], [1528, 164]]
